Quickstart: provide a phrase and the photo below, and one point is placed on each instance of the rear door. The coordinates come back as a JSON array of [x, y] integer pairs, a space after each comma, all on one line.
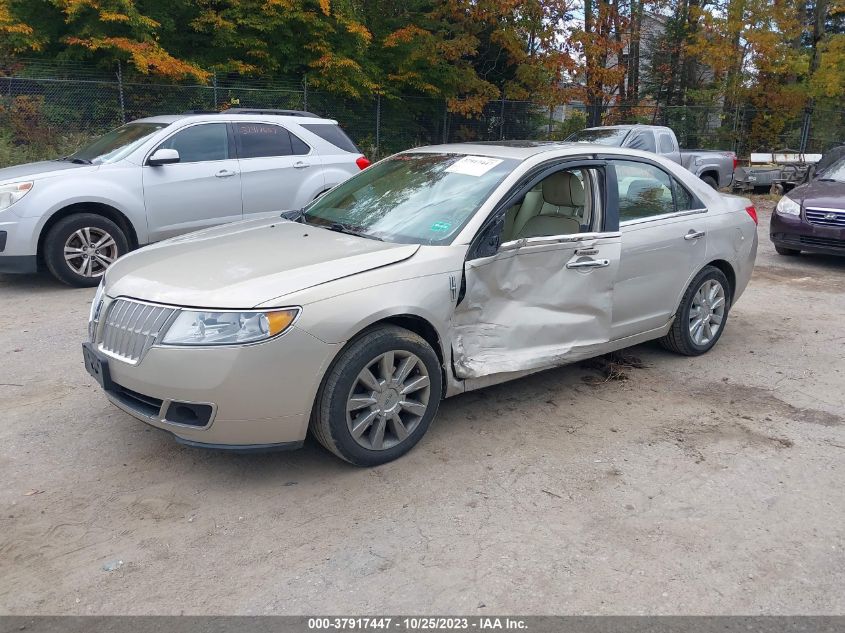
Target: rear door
[[279, 171], [664, 242], [201, 190], [540, 301]]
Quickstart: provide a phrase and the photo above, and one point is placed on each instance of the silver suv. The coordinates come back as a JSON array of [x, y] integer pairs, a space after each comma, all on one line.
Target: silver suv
[[160, 177]]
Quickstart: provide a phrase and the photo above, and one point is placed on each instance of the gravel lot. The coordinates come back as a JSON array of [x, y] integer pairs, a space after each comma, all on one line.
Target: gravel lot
[[705, 485]]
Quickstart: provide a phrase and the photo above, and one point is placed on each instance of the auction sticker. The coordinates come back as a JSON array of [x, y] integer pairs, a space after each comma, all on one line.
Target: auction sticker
[[473, 165]]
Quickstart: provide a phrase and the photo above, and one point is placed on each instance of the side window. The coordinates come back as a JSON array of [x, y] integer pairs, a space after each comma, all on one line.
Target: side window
[[560, 204], [644, 190], [298, 146], [257, 140], [643, 141], [666, 144], [199, 143], [683, 198]]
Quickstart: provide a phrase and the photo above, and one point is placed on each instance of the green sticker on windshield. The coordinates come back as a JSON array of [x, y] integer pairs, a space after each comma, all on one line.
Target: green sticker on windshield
[[441, 227]]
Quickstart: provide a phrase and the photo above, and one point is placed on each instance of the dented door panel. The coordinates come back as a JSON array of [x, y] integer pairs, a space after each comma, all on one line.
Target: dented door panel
[[537, 303]]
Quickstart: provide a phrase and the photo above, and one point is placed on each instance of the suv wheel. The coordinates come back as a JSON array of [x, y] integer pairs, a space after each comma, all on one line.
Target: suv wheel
[[702, 315], [79, 248], [379, 398]]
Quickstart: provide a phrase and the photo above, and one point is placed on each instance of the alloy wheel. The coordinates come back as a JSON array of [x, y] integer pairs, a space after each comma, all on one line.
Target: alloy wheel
[[707, 312], [90, 251], [388, 399]]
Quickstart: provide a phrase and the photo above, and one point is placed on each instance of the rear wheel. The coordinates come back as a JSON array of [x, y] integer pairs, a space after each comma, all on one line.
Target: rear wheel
[[379, 397], [789, 252], [710, 181], [79, 248], [701, 317]]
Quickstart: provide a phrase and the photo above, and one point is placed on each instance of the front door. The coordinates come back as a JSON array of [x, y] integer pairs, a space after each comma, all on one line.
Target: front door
[[664, 242], [545, 297], [201, 190]]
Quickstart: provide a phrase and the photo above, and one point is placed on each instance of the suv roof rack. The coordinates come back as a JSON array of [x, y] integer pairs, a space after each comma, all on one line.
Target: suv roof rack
[[302, 113]]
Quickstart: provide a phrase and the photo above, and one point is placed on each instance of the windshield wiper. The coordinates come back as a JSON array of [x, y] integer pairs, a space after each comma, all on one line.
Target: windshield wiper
[[342, 228], [81, 161]]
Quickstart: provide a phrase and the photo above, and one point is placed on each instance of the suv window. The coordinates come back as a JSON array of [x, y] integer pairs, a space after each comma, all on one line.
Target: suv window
[[666, 144], [257, 140], [200, 143], [643, 141], [298, 146], [332, 133], [644, 190]]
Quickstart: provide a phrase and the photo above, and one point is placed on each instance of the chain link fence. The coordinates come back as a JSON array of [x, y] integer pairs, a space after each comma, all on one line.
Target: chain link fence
[[48, 109]]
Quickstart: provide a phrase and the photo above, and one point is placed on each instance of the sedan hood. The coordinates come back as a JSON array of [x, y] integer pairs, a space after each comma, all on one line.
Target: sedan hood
[[43, 169], [823, 194], [241, 265]]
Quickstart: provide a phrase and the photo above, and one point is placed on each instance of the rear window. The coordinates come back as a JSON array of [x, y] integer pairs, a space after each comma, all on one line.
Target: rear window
[[332, 133]]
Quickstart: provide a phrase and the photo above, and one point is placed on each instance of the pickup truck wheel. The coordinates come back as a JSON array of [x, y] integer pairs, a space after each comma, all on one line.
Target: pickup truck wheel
[[379, 397], [702, 315], [79, 248], [710, 181], [789, 252]]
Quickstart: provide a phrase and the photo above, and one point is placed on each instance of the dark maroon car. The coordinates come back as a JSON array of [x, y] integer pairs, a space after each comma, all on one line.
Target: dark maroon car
[[812, 216]]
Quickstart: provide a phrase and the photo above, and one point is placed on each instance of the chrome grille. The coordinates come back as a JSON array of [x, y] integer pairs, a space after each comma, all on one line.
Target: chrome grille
[[826, 217], [130, 328]]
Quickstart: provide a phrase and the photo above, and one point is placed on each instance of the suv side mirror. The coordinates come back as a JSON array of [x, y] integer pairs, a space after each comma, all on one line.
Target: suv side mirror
[[163, 157]]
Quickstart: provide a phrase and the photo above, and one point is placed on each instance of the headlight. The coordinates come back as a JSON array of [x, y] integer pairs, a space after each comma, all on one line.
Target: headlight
[[94, 314], [788, 206], [10, 194], [228, 328]]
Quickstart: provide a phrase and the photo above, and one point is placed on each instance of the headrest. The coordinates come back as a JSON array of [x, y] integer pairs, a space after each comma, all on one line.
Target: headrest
[[563, 189]]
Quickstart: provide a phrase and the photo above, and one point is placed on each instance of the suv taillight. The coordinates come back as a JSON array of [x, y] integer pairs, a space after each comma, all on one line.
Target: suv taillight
[[363, 162], [752, 212]]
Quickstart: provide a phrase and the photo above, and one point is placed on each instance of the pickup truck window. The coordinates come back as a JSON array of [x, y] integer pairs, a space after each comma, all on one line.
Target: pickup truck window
[[644, 190], [643, 141], [666, 144]]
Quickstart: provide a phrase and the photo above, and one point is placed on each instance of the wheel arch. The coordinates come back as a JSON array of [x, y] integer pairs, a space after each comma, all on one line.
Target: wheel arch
[[710, 171], [728, 271], [97, 208]]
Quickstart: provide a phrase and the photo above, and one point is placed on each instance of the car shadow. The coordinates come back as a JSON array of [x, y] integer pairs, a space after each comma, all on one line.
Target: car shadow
[[37, 282]]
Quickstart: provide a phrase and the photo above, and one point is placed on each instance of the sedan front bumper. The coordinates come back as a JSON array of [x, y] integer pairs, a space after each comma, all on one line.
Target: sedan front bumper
[[796, 233], [243, 397]]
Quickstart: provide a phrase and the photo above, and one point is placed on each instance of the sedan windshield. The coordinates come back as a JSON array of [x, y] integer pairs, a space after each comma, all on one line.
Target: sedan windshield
[[116, 145], [600, 136], [416, 198], [836, 172]]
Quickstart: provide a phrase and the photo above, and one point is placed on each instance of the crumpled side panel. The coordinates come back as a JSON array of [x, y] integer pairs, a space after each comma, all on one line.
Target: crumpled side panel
[[524, 310]]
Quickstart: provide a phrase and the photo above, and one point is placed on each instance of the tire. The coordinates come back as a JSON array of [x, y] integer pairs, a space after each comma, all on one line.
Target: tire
[[788, 252], [680, 338], [332, 425], [709, 180], [78, 234]]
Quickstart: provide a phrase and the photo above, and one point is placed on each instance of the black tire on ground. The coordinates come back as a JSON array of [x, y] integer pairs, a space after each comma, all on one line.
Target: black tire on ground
[[329, 417], [789, 252], [709, 180], [58, 236], [679, 339]]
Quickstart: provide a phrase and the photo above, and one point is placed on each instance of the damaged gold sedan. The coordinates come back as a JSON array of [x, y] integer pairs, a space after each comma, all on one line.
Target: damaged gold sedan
[[436, 271]]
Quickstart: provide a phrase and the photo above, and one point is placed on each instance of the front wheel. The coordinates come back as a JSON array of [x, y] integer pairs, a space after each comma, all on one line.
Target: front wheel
[[79, 248], [702, 315], [379, 397]]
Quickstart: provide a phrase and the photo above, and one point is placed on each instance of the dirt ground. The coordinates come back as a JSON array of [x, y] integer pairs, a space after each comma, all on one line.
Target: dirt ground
[[694, 486]]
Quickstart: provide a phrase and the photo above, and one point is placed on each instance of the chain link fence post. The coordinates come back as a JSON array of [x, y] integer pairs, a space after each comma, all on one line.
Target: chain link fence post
[[120, 92], [502, 116], [378, 124], [305, 93], [446, 122], [214, 83]]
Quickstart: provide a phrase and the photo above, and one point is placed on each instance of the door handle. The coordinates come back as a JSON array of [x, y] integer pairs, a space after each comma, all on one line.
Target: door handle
[[693, 235], [300, 164], [589, 263], [224, 173]]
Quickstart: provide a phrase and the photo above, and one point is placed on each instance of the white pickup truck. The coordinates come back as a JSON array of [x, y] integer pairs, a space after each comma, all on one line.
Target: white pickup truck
[[716, 168]]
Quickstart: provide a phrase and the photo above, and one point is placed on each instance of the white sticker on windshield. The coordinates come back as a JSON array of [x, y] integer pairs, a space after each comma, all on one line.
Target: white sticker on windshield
[[474, 165]]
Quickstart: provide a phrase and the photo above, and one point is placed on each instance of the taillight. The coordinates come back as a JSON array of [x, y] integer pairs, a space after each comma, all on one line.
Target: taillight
[[752, 212], [362, 162], [736, 161]]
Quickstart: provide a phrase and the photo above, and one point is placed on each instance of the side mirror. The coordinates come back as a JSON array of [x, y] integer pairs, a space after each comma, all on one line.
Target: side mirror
[[163, 157]]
